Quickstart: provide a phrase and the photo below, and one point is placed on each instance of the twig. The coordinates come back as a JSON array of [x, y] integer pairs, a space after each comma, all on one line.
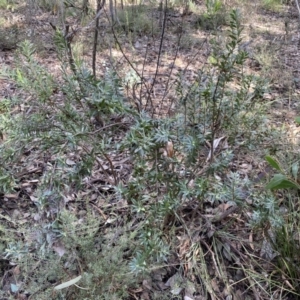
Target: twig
[[112, 167], [107, 126], [143, 69], [220, 217], [158, 57], [128, 60], [100, 211], [184, 71], [171, 71], [100, 5], [101, 166], [298, 7]]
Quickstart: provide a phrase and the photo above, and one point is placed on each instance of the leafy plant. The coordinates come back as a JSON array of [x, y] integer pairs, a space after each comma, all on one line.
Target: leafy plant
[[286, 244], [213, 6], [134, 20], [214, 16], [3, 4], [168, 153], [117, 193], [274, 5], [77, 129], [283, 180], [211, 106]]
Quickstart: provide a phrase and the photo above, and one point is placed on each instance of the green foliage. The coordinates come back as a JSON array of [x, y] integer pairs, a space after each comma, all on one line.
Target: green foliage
[[7, 181], [281, 226], [180, 164], [273, 162], [280, 181], [4, 4], [210, 104], [105, 273], [297, 120], [47, 5], [213, 6], [214, 17], [274, 5], [135, 21], [167, 152], [281, 219], [283, 180], [267, 212], [30, 76], [56, 121], [9, 35], [66, 126], [287, 245]]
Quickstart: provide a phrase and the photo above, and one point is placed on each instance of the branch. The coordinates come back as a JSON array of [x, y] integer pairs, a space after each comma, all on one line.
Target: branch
[[100, 5], [298, 7]]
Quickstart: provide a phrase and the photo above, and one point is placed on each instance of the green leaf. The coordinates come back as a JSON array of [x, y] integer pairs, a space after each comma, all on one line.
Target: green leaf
[[273, 162], [68, 283], [295, 168], [280, 181], [212, 60], [297, 119]]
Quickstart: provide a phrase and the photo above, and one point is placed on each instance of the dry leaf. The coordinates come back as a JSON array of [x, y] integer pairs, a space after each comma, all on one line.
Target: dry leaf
[[147, 284], [227, 251], [170, 149], [11, 196], [145, 296], [16, 271], [59, 249], [223, 207], [161, 285], [33, 198], [251, 240], [175, 283], [188, 298], [210, 233], [189, 290], [267, 252], [215, 285], [215, 145], [70, 162], [68, 283], [36, 217]]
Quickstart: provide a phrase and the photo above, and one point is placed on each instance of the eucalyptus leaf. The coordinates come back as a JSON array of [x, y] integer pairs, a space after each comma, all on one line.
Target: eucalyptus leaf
[[273, 162], [295, 169], [280, 181], [68, 283]]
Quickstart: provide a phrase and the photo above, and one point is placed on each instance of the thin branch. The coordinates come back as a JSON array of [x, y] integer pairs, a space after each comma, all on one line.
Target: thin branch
[[128, 60], [171, 71], [298, 7], [100, 5], [158, 58]]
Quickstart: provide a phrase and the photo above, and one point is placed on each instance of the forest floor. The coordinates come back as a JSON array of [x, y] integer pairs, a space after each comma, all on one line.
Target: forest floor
[[272, 39]]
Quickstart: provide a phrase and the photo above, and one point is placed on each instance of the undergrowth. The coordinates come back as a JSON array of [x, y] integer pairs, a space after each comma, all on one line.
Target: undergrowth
[[176, 206]]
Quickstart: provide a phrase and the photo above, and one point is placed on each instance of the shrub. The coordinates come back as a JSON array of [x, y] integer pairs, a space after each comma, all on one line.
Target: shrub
[[169, 154], [135, 20], [214, 17], [159, 210], [65, 131]]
